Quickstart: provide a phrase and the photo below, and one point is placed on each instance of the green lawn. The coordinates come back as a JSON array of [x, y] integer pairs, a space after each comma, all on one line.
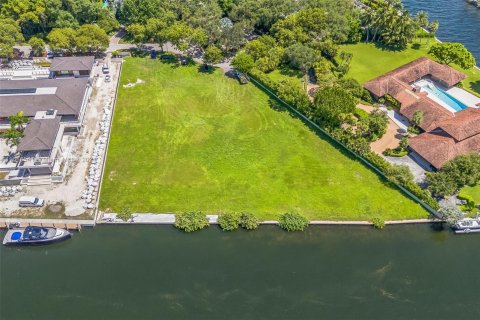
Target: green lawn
[[474, 192], [285, 74], [186, 140], [370, 61]]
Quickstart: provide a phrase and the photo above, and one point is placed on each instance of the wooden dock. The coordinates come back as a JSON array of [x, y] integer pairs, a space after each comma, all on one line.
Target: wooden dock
[[54, 223]]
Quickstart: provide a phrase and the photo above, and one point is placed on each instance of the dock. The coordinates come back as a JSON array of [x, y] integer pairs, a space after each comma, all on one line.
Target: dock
[[54, 223]]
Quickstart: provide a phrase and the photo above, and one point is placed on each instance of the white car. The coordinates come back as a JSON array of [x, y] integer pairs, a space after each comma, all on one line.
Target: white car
[[108, 78], [26, 201]]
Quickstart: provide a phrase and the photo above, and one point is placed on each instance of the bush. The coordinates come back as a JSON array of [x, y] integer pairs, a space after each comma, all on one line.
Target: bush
[[360, 113], [248, 221], [395, 152], [378, 223], [229, 221], [291, 221], [191, 221], [125, 215]]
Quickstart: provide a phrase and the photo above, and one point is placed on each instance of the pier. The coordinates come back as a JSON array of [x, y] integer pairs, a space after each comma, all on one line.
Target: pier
[[54, 223]]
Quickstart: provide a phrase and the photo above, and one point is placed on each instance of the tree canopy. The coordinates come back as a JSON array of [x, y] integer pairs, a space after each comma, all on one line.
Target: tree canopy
[[453, 52]]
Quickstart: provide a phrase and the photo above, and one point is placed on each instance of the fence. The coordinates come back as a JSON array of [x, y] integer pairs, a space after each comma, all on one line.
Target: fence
[[270, 92]]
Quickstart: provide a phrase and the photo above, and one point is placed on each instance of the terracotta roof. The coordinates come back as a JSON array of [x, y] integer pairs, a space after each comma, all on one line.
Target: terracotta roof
[[39, 135], [465, 124], [411, 72], [72, 63], [438, 147], [433, 113]]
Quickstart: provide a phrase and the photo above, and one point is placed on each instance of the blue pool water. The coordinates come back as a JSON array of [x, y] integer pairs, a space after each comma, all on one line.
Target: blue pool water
[[445, 97]]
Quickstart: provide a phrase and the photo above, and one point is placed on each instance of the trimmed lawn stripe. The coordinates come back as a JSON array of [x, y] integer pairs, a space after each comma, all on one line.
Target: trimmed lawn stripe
[[186, 140]]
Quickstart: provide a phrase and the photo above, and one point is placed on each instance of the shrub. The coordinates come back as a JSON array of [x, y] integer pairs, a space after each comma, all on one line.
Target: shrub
[[248, 221], [191, 221], [360, 113], [378, 223], [291, 221], [125, 215], [395, 152], [229, 221]]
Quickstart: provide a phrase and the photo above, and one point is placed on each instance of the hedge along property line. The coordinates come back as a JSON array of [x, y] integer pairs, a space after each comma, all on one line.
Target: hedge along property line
[[271, 92]]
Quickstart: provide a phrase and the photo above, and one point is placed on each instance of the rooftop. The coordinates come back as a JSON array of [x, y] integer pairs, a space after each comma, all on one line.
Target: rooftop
[[30, 96], [72, 63], [40, 135]]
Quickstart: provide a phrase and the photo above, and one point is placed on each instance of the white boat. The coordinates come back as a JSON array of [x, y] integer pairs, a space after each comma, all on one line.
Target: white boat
[[31, 236], [467, 225]]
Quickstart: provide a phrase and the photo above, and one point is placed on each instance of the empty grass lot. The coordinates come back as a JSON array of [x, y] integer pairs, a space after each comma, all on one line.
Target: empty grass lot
[[186, 140], [370, 61]]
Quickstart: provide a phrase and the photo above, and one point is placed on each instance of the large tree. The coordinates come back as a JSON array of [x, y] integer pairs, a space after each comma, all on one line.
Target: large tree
[[453, 52], [62, 40], [9, 35], [243, 62], [331, 104], [90, 38], [212, 56]]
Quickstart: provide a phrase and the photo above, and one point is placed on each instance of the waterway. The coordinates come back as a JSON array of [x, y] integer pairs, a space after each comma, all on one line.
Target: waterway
[[459, 21], [157, 272]]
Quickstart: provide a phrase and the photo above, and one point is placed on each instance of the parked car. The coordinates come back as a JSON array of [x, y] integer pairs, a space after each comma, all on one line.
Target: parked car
[[50, 54], [27, 201], [108, 78], [105, 68]]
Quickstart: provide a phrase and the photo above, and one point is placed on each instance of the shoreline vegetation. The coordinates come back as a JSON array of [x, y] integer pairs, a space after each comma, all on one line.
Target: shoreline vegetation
[[188, 139]]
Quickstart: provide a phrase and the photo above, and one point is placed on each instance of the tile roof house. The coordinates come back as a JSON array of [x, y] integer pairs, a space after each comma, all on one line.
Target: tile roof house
[[447, 134], [72, 66], [453, 137]]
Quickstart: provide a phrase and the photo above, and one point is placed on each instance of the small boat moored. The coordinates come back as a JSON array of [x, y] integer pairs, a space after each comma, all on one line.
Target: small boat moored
[[31, 235], [467, 225]]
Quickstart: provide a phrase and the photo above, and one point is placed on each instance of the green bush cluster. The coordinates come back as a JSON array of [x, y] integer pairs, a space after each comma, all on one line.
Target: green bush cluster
[[360, 113], [292, 221], [191, 221], [230, 221], [394, 152], [378, 223]]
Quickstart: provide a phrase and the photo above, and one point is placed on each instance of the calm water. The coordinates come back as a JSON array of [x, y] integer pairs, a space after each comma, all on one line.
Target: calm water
[[459, 21], [157, 272]]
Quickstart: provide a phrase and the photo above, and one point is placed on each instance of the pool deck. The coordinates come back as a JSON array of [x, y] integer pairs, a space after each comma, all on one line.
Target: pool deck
[[464, 96]]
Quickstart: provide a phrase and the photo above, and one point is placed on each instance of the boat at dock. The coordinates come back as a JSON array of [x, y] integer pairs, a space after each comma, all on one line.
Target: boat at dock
[[31, 235], [467, 225]]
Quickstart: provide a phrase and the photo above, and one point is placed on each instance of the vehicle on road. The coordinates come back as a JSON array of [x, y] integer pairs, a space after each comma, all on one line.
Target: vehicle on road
[[28, 201], [108, 78], [105, 68], [32, 235]]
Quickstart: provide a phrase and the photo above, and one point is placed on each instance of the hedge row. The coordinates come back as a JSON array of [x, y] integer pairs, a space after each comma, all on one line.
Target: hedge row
[[297, 100]]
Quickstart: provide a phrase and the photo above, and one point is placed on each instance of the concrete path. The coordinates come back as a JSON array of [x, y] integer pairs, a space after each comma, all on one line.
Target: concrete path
[[169, 218]]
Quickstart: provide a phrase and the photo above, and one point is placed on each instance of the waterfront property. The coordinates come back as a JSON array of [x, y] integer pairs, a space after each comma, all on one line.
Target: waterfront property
[[450, 116], [185, 140], [54, 109]]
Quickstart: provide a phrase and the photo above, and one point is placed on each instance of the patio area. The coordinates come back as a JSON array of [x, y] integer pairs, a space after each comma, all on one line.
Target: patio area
[[8, 155]]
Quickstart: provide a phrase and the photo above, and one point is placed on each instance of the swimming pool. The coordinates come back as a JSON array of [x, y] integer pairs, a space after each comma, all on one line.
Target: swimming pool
[[442, 95]]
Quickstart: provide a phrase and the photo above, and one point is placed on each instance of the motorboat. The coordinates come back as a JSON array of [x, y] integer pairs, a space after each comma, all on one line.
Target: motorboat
[[467, 225], [32, 235]]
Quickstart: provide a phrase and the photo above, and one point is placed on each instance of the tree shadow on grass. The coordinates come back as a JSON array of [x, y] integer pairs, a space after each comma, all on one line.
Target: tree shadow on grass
[[206, 69], [384, 47], [476, 86], [290, 72]]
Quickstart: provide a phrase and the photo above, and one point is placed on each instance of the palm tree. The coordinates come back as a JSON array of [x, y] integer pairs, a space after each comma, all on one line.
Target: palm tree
[[13, 135], [17, 121], [417, 118]]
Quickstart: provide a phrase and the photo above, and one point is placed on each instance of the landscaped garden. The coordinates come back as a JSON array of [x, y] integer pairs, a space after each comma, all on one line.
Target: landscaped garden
[[186, 140], [371, 60]]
